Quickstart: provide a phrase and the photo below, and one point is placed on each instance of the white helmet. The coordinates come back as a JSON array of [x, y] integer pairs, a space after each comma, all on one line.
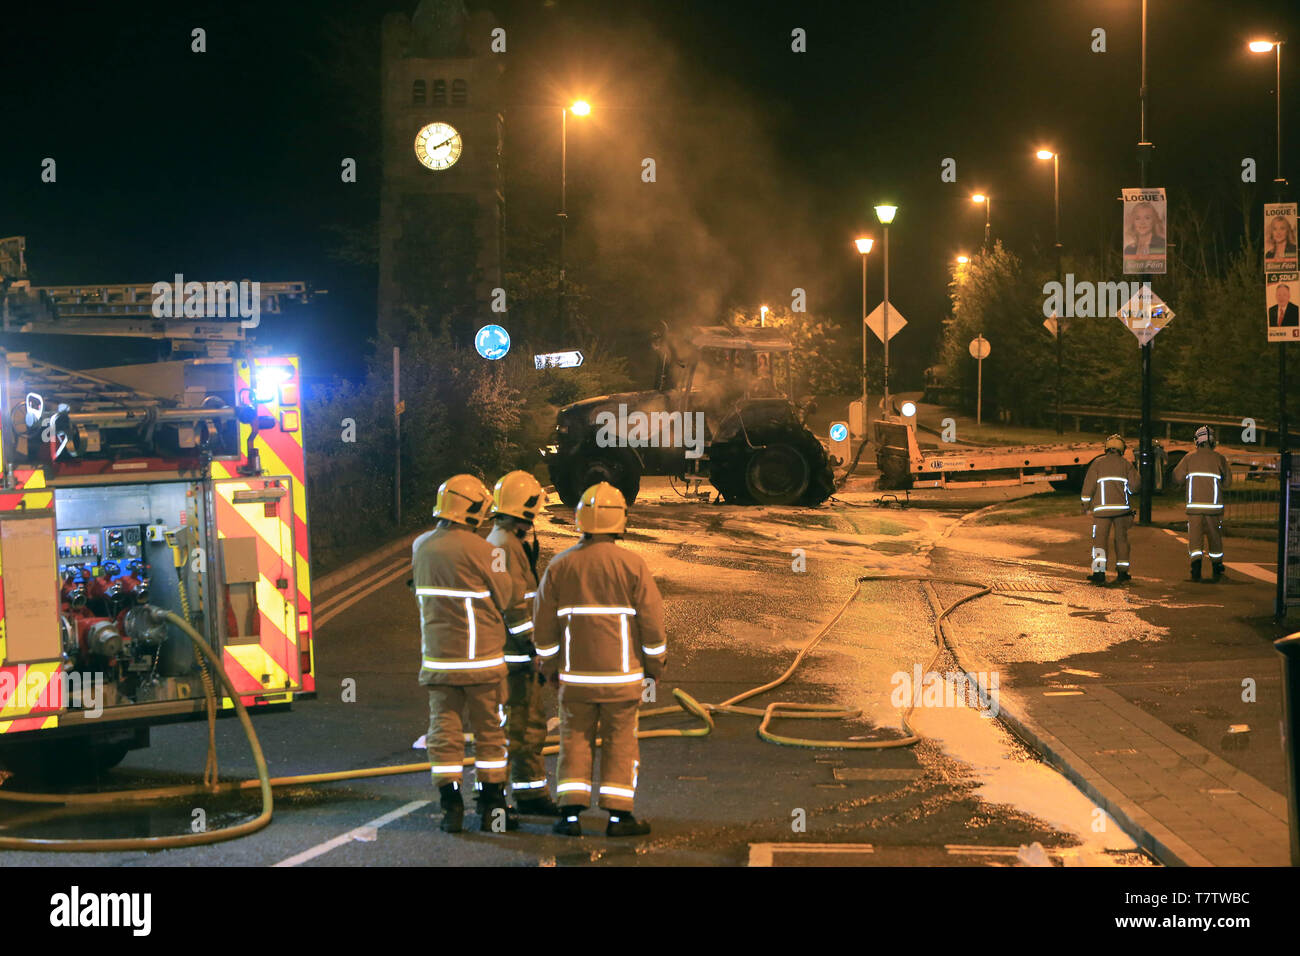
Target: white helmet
[[1205, 435]]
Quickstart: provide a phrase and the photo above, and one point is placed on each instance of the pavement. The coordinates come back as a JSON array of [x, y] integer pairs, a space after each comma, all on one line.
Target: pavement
[[1160, 700]]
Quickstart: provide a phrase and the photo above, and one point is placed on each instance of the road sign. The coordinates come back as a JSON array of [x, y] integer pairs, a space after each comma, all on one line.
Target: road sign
[[492, 342], [979, 348], [1145, 315], [876, 321], [570, 359], [840, 447], [1053, 325]]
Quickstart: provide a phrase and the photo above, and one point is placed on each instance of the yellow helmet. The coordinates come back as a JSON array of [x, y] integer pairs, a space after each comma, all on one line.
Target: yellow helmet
[[602, 510], [1115, 443], [519, 495], [464, 500]]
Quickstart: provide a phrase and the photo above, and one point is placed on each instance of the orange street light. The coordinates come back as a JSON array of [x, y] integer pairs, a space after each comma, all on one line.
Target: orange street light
[[864, 244], [962, 260], [1261, 46], [580, 108]]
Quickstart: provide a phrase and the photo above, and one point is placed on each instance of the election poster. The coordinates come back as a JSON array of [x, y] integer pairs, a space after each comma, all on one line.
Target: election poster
[[1281, 291], [1145, 231], [1279, 237]]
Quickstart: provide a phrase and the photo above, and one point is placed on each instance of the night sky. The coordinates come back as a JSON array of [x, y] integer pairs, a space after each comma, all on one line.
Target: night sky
[[226, 164]]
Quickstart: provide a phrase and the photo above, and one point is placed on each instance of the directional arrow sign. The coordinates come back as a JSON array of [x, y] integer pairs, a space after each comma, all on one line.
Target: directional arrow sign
[[876, 321], [1053, 325], [571, 359], [1145, 315]]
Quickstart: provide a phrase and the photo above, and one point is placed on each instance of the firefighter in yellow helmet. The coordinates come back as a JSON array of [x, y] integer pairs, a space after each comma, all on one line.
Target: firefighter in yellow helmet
[[517, 499], [1207, 475], [599, 627], [462, 600], [1110, 481]]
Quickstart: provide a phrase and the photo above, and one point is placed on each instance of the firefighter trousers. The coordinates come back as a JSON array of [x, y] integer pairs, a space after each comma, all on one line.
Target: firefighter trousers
[[481, 703], [526, 731], [581, 722], [1209, 527], [1101, 531]]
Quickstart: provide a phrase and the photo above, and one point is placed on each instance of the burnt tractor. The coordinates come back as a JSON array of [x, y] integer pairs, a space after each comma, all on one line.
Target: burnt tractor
[[723, 410]]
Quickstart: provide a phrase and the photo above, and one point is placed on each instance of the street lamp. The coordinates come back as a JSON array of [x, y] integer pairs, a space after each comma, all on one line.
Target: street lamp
[[1055, 157], [762, 316], [579, 108], [864, 244], [962, 260], [987, 200], [1283, 425], [885, 214]]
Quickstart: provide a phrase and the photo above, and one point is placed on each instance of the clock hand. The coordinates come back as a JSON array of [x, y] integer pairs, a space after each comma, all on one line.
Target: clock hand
[[443, 143]]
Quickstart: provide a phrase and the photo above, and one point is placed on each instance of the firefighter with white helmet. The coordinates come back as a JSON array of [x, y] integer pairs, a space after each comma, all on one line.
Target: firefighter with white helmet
[[462, 601], [1207, 475], [1110, 481], [517, 499], [599, 628]]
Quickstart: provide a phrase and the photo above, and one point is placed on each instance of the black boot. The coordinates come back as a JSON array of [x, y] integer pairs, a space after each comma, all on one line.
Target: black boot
[[568, 824], [1218, 570], [1196, 569], [453, 808], [495, 815], [538, 806], [1123, 576], [624, 824], [1097, 577]]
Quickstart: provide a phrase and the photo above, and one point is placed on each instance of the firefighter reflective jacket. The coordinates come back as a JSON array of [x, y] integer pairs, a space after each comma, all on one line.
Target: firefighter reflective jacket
[[599, 622], [1107, 486], [523, 588], [461, 603], [1207, 475]]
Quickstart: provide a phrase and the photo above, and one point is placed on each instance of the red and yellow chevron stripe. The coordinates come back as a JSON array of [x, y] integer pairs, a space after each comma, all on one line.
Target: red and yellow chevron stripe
[[283, 656]]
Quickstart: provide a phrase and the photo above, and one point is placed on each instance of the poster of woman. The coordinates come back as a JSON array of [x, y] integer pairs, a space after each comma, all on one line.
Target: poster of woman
[[1145, 231], [1279, 237]]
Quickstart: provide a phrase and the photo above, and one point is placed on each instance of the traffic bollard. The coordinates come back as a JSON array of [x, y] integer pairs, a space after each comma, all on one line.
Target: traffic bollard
[[1289, 648]]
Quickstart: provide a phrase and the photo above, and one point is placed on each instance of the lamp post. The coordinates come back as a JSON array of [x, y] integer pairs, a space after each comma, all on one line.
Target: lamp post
[[885, 214], [864, 244], [579, 108], [987, 200], [1283, 423], [1055, 157]]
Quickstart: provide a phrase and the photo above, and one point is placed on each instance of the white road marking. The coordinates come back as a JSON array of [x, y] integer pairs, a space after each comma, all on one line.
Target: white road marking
[[1252, 570], [325, 605], [367, 832], [337, 609]]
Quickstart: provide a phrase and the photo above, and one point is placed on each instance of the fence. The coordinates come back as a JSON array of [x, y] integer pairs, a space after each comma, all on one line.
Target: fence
[[1253, 499]]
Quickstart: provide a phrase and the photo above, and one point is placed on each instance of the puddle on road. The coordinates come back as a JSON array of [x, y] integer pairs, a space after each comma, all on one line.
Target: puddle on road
[[1009, 774]]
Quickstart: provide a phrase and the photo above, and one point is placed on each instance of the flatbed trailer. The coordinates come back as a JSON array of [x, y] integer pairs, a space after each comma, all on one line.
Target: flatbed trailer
[[904, 463]]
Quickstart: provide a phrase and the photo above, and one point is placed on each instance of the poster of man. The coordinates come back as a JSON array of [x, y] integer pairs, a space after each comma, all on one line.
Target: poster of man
[[1145, 232], [1281, 292], [1279, 237]]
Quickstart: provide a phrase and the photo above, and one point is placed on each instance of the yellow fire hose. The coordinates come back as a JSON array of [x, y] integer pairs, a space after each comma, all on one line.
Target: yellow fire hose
[[773, 711]]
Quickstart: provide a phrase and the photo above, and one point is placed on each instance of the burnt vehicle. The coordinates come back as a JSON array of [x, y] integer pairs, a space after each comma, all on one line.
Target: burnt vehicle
[[723, 409]]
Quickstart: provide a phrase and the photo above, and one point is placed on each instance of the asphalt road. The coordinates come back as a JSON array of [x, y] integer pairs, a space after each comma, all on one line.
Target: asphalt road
[[738, 610]]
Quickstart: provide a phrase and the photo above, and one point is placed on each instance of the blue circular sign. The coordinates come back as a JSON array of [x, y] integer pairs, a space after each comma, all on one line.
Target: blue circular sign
[[492, 342], [839, 432]]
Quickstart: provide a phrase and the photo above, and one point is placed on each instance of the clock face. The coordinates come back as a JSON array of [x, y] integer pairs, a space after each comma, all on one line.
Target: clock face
[[438, 146]]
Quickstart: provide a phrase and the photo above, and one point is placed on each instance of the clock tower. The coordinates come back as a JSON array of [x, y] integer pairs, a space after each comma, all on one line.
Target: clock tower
[[442, 205]]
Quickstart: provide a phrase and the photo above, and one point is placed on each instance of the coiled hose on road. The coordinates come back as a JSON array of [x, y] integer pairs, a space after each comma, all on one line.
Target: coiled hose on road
[[777, 710]]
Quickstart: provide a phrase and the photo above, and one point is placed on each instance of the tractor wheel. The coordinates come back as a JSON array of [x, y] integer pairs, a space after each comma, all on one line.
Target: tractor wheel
[[788, 466], [620, 468]]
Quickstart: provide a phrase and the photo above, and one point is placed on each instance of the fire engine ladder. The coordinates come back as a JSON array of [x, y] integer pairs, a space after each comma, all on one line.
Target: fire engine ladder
[[126, 310]]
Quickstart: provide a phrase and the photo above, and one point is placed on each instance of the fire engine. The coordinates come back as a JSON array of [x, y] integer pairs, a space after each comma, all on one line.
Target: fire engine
[[130, 490]]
